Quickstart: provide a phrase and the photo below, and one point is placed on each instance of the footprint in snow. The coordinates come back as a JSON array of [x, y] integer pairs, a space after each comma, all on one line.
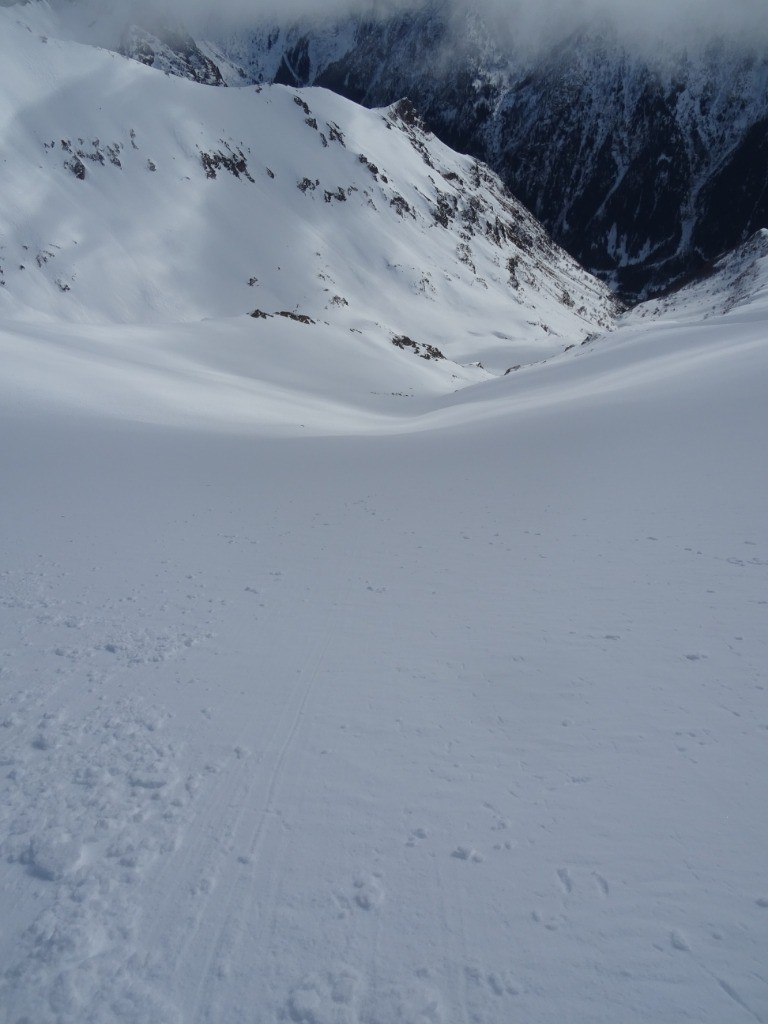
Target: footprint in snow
[[415, 1001], [326, 996], [485, 987], [415, 836], [467, 853], [565, 880], [369, 893], [678, 941], [601, 883]]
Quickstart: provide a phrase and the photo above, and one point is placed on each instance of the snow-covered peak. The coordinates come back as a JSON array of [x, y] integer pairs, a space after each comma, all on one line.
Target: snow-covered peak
[[644, 163], [135, 197]]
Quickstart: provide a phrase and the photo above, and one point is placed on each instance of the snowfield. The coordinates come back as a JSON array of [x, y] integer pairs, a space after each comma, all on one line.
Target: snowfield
[[461, 720], [344, 686]]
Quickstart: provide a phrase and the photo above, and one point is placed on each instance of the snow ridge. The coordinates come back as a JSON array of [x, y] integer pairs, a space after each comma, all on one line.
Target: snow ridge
[[643, 167], [265, 199]]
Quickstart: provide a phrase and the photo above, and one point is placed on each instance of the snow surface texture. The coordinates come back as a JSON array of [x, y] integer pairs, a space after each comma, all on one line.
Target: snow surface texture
[[323, 706]]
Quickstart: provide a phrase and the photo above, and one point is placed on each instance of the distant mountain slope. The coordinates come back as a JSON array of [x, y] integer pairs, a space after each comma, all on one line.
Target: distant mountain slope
[[136, 197], [736, 282], [169, 48], [643, 168]]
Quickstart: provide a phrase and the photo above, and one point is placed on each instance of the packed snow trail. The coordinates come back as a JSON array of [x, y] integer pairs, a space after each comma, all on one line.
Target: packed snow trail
[[466, 724]]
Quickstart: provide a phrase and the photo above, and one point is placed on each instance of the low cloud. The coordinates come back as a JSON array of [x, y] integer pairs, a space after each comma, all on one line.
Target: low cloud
[[515, 23], [250, 12], [633, 22], [532, 23]]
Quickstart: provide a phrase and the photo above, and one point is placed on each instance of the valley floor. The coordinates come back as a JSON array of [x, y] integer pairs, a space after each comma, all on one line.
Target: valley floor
[[455, 716]]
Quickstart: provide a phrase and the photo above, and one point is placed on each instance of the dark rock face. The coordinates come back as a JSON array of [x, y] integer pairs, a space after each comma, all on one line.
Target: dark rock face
[[737, 192], [171, 49], [644, 169]]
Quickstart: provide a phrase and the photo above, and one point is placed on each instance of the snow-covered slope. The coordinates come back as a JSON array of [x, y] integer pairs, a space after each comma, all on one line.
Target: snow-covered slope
[[737, 283], [643, 164], [463, 721], [135, 197], [321, 705]]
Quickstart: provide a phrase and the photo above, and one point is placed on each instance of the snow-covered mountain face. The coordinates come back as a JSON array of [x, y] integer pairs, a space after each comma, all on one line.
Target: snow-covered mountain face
[[136, 29], [643, 167], [171, 49], [737, 281], [134, 197]]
